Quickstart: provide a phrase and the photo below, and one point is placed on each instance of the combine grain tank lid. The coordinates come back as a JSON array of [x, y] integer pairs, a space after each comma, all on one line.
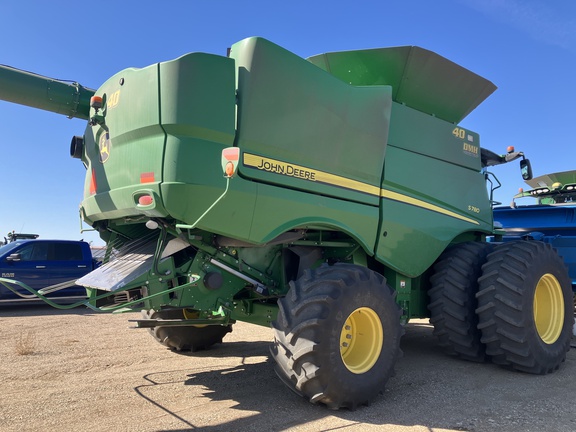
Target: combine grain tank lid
[[421, 79]]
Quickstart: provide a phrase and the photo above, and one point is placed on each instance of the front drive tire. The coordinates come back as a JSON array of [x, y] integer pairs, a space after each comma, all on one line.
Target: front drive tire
[[337, 335], [452, 306], [525, 307]]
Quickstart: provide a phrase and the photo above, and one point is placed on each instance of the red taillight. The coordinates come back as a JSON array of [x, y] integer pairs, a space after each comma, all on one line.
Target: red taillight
[[145, 200]]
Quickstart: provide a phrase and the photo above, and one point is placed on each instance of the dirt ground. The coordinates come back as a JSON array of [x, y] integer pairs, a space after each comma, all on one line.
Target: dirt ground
[[90, 371]]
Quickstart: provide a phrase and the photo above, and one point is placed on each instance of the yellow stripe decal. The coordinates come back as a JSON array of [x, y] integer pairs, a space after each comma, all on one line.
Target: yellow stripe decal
[[304, 173], [423, 204]]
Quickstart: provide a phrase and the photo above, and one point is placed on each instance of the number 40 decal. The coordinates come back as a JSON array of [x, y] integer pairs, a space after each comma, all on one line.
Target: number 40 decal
[[459, 133]]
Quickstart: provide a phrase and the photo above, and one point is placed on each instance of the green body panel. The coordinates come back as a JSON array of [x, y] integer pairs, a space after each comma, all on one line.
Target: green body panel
[[275, 214], [296, 114], [426, 135], [166, 118], [198, 102], [438, 191], [130, 143]]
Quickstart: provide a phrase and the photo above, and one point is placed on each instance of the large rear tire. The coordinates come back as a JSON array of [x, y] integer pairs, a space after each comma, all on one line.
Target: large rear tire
[[525, 307], [453, 303], [337, 335], [185, 338]]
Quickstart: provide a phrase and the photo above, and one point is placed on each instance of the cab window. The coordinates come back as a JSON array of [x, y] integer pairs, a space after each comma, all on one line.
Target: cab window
[[34, 252]]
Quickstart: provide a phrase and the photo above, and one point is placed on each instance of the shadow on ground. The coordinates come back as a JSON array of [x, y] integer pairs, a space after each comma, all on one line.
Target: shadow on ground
[[429, 390]]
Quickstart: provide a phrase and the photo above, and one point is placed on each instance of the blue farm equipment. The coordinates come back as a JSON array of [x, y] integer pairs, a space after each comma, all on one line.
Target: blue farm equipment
[[552, 219]]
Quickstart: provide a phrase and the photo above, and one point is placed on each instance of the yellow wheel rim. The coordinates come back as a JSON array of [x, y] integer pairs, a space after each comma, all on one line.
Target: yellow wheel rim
[[361, 340], [549, 308], [190, 314]]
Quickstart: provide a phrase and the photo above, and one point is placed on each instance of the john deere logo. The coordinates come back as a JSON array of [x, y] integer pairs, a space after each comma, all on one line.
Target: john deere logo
[[104, 146]]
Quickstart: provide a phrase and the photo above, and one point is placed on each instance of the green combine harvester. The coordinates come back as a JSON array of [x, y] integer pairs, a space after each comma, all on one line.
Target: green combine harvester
[[332, 198]]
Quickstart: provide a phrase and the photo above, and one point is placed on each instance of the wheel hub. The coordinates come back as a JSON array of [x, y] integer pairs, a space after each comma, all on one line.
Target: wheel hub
[[361, 340], [548, 308]]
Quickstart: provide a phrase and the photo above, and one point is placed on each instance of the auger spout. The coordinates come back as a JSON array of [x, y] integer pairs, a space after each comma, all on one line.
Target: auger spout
[[37, 91]]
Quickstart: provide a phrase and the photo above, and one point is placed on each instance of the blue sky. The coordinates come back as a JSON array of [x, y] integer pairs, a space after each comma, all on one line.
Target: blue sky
[[526, 47]]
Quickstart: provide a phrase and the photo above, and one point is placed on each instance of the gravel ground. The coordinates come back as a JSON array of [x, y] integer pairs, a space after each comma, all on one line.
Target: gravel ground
[[90, 371]]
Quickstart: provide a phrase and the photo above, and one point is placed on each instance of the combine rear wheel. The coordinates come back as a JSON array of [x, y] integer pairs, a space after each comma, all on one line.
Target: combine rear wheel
[[337, 335], [185, 338], [452, 306], [525, 307]]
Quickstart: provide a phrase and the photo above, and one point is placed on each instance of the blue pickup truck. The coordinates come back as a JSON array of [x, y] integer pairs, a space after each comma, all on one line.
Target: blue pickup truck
[[52, 266]]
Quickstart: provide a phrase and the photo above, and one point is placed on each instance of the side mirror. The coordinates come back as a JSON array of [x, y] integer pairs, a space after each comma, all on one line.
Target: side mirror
[[526, 169], [13, 257]]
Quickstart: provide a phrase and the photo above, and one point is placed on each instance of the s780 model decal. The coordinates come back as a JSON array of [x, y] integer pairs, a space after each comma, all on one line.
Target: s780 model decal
[[291, 170]]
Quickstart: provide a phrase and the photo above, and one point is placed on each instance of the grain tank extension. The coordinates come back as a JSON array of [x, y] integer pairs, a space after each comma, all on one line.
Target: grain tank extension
[[332, 198]]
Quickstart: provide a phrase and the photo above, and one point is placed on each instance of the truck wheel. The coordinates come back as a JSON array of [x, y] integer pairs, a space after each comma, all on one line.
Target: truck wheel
[[185, 338], [453, 303], [525, 307], [337, 335]]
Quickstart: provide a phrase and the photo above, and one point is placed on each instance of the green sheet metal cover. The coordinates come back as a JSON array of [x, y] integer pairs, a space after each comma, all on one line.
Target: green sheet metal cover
[[299, 126], [421, 79]]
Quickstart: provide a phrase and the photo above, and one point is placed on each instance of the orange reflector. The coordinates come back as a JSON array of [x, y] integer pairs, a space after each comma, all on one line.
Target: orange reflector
[[510, 149], [96, 102], [93, 182], [147, 177], [145, 200], [521, 190], [229, 169]]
